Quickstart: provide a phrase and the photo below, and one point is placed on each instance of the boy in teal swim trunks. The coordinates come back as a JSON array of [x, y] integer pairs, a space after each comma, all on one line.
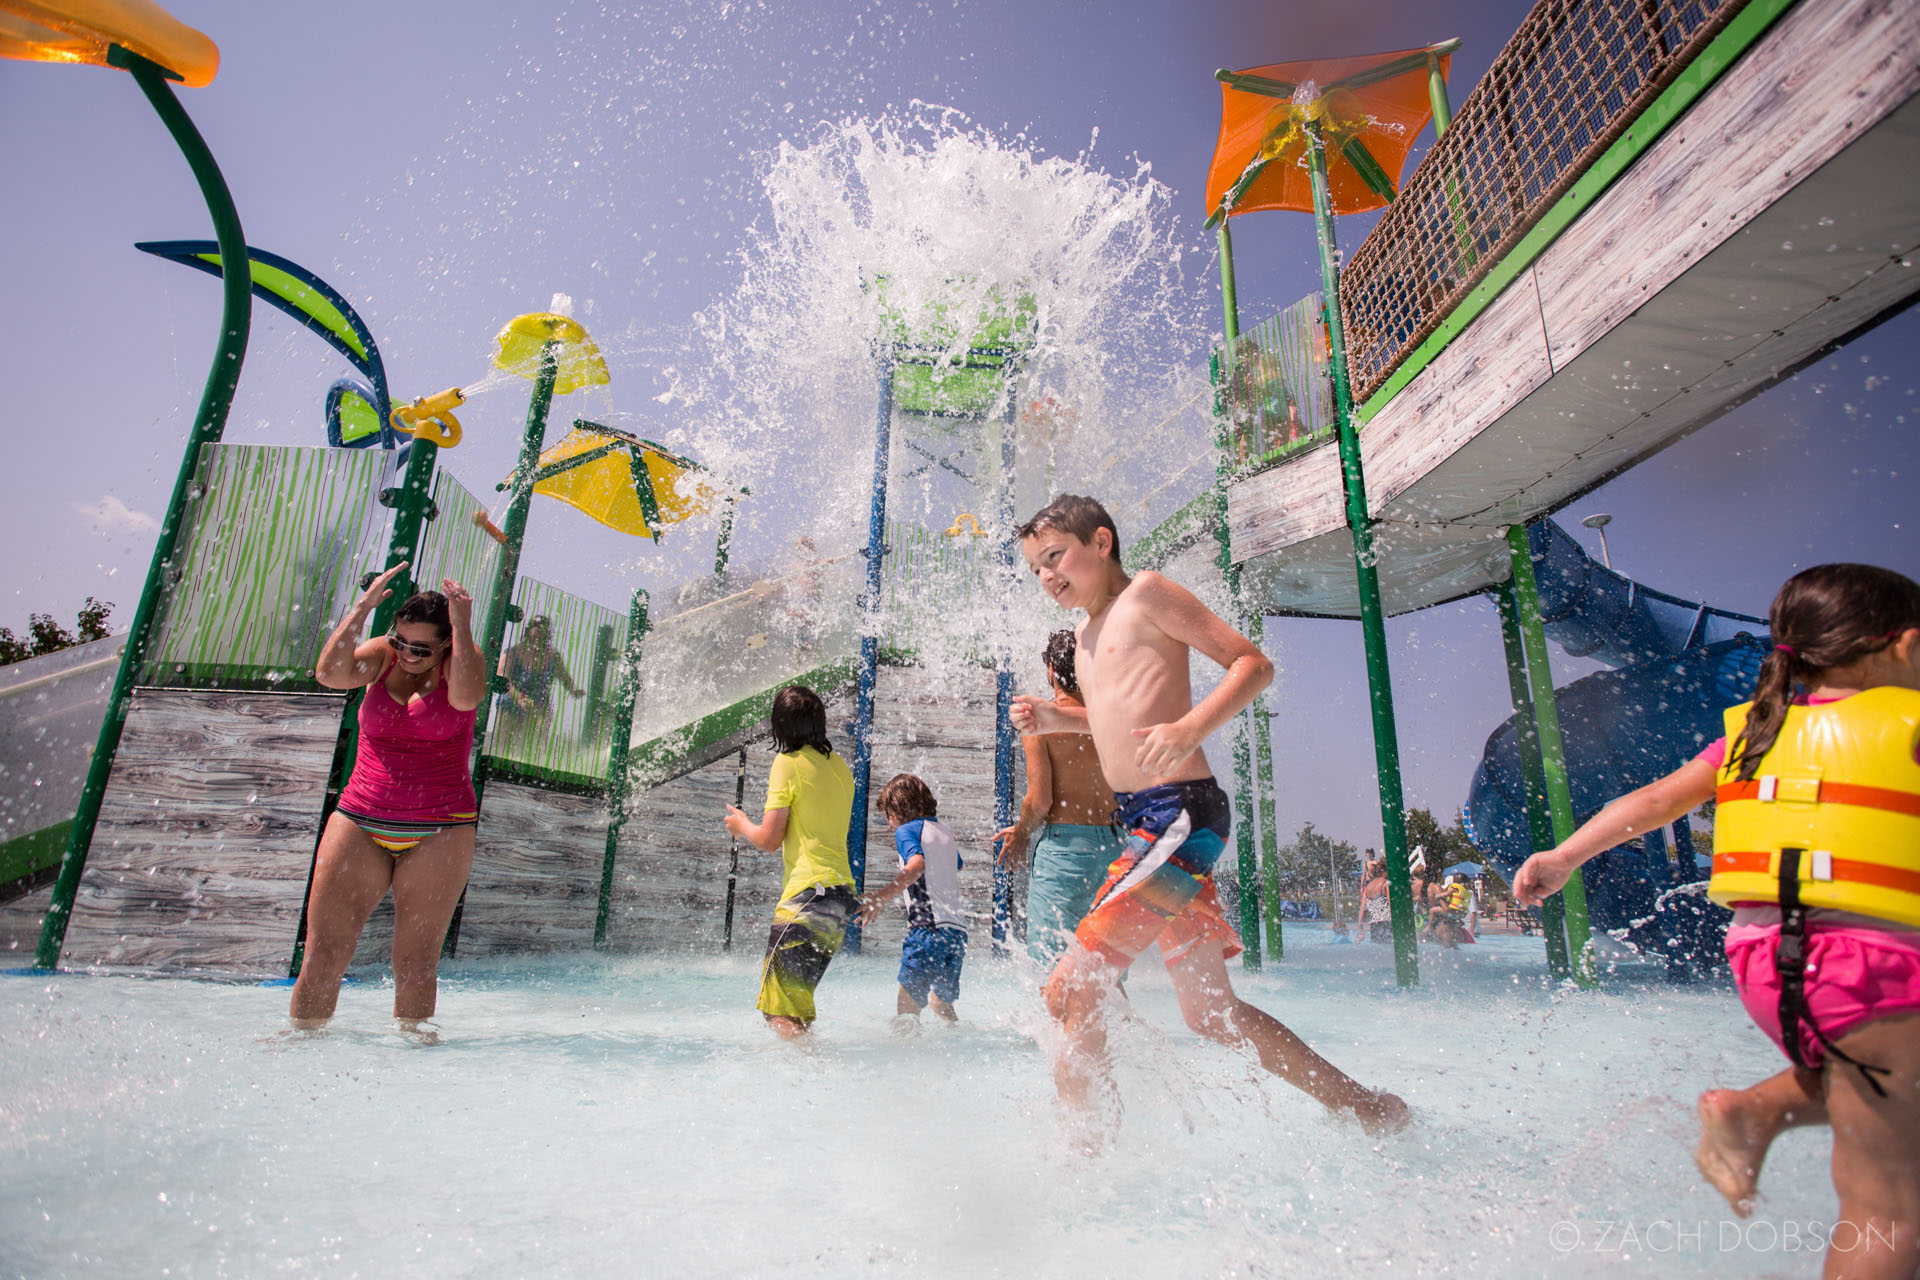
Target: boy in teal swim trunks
[[1131, 662]]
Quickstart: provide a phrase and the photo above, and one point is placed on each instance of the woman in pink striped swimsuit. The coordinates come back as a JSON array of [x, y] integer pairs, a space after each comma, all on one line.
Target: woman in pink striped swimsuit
[[406, 819]]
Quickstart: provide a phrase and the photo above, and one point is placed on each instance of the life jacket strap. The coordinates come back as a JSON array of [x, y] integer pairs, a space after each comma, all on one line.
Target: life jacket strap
[[1790, 964]]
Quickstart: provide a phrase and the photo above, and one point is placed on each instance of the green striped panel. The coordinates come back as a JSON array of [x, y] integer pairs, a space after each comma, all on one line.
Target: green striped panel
[[572, 736], [273, 546]]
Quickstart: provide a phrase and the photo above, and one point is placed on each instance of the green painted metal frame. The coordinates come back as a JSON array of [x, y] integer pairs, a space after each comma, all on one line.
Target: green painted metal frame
[[1386, 738], [1527, 742], [1553, 759], [236, 318], [617, 777], [1243, 799]]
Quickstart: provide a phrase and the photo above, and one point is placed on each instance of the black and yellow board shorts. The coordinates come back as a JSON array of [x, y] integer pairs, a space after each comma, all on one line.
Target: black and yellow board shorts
[[807, 930]]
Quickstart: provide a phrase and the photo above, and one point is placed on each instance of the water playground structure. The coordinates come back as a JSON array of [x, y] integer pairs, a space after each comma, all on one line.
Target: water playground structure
[[1548, 299]]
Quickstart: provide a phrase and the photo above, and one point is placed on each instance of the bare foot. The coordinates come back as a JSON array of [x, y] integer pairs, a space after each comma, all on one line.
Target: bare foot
[[1732, 1145], [417, 1030], [1382, 1113], [787, 1028], [308, 1024]]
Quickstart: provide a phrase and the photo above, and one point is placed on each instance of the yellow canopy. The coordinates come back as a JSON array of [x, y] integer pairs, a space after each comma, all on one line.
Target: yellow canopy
[[81, 30], [524, 337], [622, 481]]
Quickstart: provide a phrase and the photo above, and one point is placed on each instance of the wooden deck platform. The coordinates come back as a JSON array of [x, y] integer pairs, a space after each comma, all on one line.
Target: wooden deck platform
[[1775, 219]]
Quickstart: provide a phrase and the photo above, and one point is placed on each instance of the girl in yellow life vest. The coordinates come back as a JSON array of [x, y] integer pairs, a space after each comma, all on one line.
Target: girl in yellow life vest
[[1817, 850]]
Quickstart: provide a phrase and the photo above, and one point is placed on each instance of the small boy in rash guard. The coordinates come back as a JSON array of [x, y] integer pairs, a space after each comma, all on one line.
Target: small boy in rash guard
[[936, 943]]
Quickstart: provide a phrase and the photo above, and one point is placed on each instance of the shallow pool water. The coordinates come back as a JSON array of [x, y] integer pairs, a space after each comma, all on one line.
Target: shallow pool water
[[629, 1115]]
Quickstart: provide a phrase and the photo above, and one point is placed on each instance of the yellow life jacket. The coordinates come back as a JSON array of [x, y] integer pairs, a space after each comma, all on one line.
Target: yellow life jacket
[[1840, 783]]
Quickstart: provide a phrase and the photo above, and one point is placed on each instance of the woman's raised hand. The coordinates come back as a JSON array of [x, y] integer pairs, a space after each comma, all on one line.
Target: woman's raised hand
[[459, 604], [378, 590]]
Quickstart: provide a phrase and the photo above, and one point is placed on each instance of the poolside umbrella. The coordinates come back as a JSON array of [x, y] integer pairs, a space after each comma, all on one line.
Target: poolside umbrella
[[624, 482]]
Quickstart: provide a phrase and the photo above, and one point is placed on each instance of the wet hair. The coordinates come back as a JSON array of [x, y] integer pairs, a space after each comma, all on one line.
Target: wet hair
[[799, 720], [1060, 649], [1071, 513], [906, 797], [1831, 615], [429, 607]]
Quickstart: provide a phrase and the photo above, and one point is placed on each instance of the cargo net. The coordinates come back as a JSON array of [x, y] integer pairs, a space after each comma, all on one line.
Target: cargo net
[[1274, 387], [1571, 80]]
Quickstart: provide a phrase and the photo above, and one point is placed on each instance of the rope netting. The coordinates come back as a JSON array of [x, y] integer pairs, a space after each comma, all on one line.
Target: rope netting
[[1571, 80]]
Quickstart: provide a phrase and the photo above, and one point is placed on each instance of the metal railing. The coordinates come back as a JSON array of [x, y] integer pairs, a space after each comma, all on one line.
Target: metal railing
[[1275, 391], [1572, 79]]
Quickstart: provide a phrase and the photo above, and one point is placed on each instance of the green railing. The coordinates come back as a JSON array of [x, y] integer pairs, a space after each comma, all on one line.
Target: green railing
[[275, 541], [1277, 395], [553, 722]]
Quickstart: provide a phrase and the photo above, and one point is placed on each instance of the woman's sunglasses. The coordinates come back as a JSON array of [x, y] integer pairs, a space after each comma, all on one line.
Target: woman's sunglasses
[[411, 649]]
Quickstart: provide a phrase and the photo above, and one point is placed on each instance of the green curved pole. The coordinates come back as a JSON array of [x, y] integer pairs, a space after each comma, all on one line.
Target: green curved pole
[[236, 317]]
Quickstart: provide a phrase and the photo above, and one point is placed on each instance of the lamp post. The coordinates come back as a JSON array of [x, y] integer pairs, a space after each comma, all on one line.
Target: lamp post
[[1598, 522]]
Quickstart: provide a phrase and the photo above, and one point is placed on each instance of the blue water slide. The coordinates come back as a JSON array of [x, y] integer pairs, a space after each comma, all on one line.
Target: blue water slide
[[1677, 663]]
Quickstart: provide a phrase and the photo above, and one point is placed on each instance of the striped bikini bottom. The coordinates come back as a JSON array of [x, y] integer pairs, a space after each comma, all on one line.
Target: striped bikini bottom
[[397, 836]]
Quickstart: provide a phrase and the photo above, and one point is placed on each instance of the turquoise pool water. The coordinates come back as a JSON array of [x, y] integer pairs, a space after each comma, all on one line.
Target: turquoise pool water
[[617, 1116]]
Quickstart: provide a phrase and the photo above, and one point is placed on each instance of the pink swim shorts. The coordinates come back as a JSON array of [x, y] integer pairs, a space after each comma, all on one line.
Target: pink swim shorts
[[1853, 976]]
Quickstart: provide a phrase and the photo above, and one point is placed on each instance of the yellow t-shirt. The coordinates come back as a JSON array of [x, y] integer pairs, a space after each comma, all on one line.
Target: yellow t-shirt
[[817, 793]]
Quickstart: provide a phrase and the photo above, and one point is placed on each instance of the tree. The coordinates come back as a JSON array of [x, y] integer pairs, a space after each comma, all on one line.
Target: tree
[[1305, 864], [44, 635]]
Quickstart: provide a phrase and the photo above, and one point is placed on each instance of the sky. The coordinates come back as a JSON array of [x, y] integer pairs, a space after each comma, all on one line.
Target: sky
[[448, 166]]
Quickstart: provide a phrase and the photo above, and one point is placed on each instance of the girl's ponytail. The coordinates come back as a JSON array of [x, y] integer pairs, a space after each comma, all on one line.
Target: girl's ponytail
[[1772, 694], [1829, 616]]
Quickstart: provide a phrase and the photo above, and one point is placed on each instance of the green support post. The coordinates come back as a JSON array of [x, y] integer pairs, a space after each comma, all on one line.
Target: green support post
[[410, 503], [1243, 783], [216, 398], [1265, 782], [629, 692], [514, 529], [1553, 760], [1386, 743], [1527, 741]]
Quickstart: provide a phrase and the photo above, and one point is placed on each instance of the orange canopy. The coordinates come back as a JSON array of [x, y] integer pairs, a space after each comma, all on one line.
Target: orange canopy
[[81, 30], [1385, 115]]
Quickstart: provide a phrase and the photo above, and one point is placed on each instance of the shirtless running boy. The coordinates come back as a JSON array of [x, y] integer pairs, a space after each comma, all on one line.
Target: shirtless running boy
[[1132, 668]]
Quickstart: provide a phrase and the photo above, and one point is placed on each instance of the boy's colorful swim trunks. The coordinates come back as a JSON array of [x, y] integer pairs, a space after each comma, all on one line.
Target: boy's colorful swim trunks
[[1160, 888], [930, 959], [807, 930]]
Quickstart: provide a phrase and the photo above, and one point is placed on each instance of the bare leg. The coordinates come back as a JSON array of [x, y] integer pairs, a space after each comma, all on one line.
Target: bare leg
[[1214, 1011], [1076, 996], [427, 880], [946, 1012], [904, 1003], [349, 878], [786, 1028], [1738, 1125], [1878, 1234]]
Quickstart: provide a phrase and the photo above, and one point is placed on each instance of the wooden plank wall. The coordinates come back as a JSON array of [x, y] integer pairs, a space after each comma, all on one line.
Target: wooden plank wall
[[206, 833], [671, 872]]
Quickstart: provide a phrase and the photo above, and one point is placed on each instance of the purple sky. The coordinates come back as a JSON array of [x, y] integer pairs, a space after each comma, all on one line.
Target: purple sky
[[449, 166]]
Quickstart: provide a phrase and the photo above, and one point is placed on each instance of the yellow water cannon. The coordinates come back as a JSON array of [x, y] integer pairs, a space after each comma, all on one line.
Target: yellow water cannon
[[966, 524], [430, 418]]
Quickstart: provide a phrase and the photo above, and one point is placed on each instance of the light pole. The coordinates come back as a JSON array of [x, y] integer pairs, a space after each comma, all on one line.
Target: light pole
[[1598, 522]]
